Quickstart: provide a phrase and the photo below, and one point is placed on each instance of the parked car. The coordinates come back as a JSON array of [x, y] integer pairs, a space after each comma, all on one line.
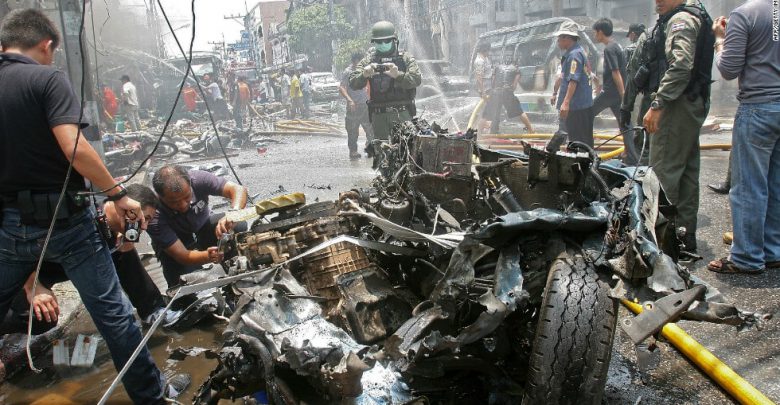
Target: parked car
[[325, 86], [535, 46]]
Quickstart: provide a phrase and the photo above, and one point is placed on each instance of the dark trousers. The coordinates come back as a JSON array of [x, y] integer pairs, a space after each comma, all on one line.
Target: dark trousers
[[135, 281], [306, 104], [203, 239], [604, 101], [579, 125], [238, 116], [84, 256], [635, 141], [353, 120]]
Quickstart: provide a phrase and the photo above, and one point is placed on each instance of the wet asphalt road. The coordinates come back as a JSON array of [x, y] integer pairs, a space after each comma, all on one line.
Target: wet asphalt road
[[319, 166]]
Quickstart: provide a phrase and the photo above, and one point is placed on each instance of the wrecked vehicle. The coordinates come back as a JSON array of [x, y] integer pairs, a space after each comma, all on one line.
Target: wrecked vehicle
[[453, 280], [324, 86]]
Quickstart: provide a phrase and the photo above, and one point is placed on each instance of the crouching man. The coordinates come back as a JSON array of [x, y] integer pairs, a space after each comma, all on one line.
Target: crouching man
[[184, 232]]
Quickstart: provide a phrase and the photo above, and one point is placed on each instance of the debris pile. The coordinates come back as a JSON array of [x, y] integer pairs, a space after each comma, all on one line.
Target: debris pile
[[493, 279]]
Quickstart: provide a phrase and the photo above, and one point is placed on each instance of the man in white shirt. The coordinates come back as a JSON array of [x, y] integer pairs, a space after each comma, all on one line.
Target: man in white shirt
[[306, 88], [483, 78], [130, 103], [216, 100]]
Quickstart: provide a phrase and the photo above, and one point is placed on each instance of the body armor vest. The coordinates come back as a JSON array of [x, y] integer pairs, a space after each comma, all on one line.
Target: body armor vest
[[384, 92], [654, 64]]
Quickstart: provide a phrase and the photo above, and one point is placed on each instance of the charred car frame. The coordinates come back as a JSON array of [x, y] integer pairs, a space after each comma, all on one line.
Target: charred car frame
[[460, 275]]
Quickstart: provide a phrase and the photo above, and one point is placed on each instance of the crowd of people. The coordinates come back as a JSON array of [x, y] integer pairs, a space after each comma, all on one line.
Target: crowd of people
[[121, 113]]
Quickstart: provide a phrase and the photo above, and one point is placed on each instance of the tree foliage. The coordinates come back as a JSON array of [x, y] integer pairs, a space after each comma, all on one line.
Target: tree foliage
[[310, 32], [349, 46]]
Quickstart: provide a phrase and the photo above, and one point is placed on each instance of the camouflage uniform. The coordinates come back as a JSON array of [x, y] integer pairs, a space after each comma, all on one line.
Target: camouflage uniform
[[633, 141], [674, 148], [391, 100]]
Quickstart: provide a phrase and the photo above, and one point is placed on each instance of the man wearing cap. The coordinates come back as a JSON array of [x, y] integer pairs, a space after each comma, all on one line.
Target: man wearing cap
[[635, 30], [574, 100], [130, 103], [393, 76]]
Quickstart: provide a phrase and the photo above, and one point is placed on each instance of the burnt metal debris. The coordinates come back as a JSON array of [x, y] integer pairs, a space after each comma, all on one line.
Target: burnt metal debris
[[451, 279]]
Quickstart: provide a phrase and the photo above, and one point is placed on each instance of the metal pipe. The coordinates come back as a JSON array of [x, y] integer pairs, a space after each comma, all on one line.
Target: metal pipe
[[723, 375]]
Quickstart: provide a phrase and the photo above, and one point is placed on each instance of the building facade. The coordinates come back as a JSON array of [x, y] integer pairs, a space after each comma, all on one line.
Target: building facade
[[260, 20]]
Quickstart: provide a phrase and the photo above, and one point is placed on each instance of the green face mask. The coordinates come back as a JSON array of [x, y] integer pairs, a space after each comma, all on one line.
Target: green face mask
[[384, 47]]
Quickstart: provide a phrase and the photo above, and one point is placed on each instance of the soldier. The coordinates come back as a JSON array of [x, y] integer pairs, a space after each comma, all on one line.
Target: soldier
[[634, 32], [633, 140], [679, 77], [393, 76]]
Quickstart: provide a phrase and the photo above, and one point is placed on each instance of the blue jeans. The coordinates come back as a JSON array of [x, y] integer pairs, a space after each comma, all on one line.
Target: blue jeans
[[85, 257], [755, 185]]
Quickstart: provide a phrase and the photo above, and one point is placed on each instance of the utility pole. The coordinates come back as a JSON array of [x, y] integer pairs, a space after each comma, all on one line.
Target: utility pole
[[245, 22], [218, 46], [557, 8], [330, 32], [78, 64]]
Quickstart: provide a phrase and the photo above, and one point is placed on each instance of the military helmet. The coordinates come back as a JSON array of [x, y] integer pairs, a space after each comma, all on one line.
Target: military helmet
[[383, 30]]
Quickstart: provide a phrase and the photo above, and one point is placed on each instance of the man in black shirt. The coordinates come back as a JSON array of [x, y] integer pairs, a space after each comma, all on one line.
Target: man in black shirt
[[39, 134], [614, 71]]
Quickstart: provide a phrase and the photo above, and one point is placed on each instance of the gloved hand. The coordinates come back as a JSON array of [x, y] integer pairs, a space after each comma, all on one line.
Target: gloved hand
[[369, 71], [625, 120], [392, 70]]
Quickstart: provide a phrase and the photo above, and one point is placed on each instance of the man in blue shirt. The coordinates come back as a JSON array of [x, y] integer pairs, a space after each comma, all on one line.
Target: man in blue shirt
[[574, 98], [184, 232], [747, 48]]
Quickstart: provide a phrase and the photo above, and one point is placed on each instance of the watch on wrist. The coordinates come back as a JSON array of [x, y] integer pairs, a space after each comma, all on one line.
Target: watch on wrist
[[118, 196], [657, 104]]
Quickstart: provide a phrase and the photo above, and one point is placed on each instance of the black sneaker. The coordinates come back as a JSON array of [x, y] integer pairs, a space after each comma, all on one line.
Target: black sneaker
[[720, 188], [176, 385]]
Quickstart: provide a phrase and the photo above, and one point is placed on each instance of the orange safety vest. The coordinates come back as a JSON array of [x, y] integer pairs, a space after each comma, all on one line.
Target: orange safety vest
[[243, 93]]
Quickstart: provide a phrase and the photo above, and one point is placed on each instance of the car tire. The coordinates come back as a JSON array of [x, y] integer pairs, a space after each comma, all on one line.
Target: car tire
[[573, 341], [164, 149]]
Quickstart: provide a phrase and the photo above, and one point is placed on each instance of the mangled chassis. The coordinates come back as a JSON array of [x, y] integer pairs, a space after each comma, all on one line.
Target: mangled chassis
[[506, 292]]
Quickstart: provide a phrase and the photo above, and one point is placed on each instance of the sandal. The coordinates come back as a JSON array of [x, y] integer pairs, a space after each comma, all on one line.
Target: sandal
[[726, 266]]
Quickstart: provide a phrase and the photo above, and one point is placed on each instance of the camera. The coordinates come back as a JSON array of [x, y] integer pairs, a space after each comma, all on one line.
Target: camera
[[132, 231], [380, 68]]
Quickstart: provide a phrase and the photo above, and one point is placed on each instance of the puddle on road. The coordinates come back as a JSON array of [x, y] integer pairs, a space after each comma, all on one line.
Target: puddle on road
[[74, 386]]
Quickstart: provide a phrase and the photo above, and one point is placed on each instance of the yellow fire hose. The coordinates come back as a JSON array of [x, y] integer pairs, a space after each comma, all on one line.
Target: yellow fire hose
[[544, 136], [722, 374], [474, 114], [611, 155], [608, 147]]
